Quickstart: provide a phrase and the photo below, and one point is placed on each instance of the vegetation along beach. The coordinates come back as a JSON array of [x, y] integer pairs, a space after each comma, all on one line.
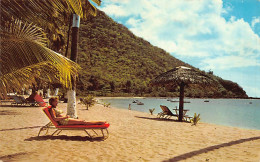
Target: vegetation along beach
[[108, 81]]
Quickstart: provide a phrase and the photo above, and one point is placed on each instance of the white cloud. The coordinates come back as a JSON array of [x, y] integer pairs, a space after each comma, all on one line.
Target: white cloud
[[252, 91], [115, 10], [133, 22], [256, 20], [228, 62]]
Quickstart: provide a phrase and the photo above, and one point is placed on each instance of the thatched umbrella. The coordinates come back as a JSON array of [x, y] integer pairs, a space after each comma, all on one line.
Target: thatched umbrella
[[182, 76]]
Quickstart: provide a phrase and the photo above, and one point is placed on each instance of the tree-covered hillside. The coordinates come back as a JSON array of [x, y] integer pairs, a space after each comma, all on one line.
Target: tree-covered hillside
[[116, 62]]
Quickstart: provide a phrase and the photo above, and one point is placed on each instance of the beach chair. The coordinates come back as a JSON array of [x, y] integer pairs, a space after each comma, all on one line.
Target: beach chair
[[54, 125], [20, 100], [39, 100], [166, 113]]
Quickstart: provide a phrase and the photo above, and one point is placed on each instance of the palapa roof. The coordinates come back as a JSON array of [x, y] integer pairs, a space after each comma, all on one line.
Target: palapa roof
[[182, 74]]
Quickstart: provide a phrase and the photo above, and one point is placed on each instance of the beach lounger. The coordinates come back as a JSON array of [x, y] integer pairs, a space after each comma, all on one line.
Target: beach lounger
[[166, 113], [54, 125], [20, 100], [39, 100]]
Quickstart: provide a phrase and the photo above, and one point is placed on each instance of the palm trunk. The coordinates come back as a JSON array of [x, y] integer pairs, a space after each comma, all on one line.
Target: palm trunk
[[48, 95], [67, 47], [29, 91], [71, 106], [56, 92]]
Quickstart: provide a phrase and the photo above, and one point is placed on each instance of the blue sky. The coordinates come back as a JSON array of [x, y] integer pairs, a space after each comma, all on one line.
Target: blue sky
[[218, 35]]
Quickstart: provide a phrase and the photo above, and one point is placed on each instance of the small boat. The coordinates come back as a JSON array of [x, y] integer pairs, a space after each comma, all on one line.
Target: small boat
[[135, 101], [140, 103], [206, 101]]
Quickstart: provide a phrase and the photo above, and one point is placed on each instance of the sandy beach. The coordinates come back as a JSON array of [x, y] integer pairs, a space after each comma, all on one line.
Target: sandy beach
[[133, 136]]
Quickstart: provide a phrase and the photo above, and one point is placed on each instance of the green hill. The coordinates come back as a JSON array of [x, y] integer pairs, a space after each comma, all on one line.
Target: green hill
[[116, 62]]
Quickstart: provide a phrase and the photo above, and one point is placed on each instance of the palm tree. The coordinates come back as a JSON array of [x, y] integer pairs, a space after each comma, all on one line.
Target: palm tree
[[52, 16]]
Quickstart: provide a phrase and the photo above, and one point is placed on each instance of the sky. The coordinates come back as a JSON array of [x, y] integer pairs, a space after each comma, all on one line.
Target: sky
[[222, 36]]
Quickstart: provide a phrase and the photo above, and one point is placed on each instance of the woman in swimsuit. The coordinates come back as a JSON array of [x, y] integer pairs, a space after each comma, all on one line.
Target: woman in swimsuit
[[66, 120]]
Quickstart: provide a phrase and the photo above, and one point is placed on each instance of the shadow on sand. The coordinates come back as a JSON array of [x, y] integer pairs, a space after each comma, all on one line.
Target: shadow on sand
[[9, 112], [65, 138], [20, 128], [12, 156], [19, 106], [211, 148], [160, 119]]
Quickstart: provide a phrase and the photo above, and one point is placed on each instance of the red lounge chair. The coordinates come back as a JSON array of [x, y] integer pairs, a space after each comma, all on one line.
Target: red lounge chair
[[54, 125], [39, 100]]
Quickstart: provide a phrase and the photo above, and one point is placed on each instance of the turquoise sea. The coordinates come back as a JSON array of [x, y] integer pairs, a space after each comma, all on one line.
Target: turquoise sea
[[243, 113]]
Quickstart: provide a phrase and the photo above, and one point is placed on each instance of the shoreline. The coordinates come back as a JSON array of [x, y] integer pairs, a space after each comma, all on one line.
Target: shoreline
[[250, 98], [133, 136]]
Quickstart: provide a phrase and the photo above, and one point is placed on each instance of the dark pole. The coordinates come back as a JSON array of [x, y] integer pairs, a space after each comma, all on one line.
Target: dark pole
[[181, 101]]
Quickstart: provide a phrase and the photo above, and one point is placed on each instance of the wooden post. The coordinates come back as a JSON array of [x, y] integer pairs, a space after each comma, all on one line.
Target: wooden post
[[181, 101]]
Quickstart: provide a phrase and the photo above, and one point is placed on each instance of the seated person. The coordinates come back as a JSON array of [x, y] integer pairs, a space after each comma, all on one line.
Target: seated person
[[66, 120]]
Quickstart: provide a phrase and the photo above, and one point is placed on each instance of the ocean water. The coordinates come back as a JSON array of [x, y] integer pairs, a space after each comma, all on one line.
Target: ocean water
[[243, 113]]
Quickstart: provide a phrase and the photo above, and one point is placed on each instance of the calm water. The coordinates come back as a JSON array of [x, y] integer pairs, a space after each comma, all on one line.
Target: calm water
[[243, 113]]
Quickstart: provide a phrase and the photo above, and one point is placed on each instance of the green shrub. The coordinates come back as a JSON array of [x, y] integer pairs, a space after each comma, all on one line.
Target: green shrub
[[106, 104], [195, 119], [89, 101], [151, 111]]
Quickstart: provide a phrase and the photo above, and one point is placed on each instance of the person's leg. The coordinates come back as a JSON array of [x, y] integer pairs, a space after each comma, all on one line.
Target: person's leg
[[78, 121], [95, 122], [75, 121]]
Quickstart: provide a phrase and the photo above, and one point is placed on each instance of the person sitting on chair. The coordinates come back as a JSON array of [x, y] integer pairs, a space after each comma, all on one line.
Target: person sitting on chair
[[66, 120]]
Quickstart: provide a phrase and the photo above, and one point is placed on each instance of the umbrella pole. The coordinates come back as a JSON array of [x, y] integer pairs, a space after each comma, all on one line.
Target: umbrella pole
[[181, 101]]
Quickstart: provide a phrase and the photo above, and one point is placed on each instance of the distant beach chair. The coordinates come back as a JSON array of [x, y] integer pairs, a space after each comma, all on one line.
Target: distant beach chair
[[166, 112], [20, 100], [39, 100], [54, 125]]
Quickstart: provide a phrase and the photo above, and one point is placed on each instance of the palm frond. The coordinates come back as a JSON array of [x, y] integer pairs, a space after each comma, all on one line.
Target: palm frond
[[89, 8], [51, 15], [24, 57]]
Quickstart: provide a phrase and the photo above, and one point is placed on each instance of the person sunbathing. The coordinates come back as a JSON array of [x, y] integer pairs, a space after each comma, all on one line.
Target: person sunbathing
[[66, 120]]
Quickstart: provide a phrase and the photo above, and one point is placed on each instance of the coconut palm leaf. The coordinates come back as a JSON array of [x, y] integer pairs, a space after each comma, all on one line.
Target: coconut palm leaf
[[24, 57], [51, 15]]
